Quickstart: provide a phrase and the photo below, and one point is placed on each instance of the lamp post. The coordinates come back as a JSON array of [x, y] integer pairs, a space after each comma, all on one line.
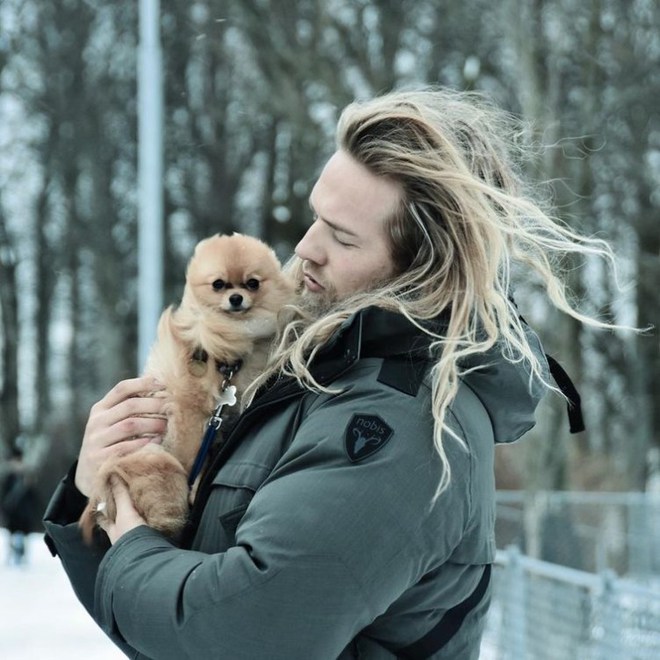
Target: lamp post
[[150, 177]]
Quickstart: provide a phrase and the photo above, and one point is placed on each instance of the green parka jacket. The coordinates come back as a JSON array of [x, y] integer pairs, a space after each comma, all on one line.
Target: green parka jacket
[[314, 534]]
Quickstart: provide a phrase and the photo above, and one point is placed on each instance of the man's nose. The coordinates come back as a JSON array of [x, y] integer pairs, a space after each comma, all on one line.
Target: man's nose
[[310, 247]]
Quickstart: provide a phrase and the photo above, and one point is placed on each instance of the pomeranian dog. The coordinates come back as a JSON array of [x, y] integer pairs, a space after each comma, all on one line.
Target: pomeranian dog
[[220, 334]]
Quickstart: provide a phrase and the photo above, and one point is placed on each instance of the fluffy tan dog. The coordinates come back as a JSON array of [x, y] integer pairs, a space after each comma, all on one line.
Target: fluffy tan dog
[[234, 290]]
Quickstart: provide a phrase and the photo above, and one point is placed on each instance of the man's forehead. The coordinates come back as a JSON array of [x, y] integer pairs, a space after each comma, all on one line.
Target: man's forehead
[[347, 194], [342, 226]]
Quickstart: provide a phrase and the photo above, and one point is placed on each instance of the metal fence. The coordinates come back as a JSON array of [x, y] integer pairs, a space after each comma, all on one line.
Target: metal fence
[[544, 611], [588, 531]]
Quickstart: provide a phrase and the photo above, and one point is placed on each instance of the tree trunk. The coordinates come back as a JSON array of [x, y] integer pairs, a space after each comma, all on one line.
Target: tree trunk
[[9, 413]]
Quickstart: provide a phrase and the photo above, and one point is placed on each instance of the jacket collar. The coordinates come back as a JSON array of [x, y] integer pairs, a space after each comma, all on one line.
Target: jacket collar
[[370, 332]]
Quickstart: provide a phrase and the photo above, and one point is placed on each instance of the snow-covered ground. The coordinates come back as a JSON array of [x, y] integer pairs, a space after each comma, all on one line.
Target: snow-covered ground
[[40, 618]]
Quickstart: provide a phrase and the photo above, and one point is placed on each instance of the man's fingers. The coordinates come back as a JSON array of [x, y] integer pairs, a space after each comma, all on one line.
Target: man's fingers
[[126, 389], [129, 419], [138, 405], [121, 422], [135, 427], [129, 446]]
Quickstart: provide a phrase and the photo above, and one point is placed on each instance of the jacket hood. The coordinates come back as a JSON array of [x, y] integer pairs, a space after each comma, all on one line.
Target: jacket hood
[[506, 389]]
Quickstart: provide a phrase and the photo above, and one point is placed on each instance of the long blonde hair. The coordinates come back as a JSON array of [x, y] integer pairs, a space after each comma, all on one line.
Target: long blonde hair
[[466, 217]]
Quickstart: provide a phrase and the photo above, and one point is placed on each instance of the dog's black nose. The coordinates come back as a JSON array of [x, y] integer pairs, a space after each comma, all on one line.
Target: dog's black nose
[[235, 300]]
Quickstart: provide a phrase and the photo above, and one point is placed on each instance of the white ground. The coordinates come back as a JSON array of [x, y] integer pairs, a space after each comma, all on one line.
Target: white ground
[[40, 618]]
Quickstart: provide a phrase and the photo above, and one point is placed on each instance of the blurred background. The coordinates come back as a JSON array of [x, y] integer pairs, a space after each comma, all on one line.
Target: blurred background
[[252, 90]]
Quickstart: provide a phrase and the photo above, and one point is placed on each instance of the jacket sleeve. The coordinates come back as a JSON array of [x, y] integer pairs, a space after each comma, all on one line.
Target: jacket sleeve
[[325, 546], [63, 538]]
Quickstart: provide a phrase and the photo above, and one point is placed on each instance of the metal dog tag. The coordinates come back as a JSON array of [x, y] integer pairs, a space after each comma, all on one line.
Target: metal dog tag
[[227, 396]]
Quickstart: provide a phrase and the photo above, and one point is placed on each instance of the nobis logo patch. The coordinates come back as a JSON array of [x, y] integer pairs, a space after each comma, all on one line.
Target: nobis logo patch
[[365, 435]]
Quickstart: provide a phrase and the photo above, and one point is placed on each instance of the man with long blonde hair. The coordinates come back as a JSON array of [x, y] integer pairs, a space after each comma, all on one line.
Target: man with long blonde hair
[[350, 511]]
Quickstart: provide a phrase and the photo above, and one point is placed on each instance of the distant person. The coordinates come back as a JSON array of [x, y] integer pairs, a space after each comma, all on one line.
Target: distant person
[[18, 507], [349, 513]]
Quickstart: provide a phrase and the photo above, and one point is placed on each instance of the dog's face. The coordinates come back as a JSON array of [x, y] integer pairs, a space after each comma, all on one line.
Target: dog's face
[[236, 275]]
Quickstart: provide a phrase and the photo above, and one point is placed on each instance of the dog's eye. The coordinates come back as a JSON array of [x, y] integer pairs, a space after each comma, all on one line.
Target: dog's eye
[[218, 284], [252, 284]]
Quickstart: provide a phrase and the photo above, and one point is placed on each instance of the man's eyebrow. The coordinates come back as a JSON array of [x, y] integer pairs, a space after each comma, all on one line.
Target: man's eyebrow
[[330, 223]]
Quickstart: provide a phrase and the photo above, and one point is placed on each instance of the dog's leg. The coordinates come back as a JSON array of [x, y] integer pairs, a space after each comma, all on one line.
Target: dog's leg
[[157, 485]]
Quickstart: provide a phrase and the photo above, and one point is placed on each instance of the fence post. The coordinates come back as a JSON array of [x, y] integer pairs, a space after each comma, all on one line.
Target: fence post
[[639, 534], [514, 623], [611, 642]]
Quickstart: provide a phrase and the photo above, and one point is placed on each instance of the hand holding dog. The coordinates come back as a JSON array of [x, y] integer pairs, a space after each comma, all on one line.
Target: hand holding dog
[[127, 517], [121, 422]]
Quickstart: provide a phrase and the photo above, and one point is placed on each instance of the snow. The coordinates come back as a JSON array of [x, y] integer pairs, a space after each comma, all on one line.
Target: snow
[[40, 615]]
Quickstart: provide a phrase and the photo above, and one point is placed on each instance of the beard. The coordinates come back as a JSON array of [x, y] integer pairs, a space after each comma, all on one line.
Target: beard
[[316, 305]]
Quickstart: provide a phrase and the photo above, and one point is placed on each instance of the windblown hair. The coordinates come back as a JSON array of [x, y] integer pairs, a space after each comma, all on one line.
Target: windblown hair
[[466, 218]]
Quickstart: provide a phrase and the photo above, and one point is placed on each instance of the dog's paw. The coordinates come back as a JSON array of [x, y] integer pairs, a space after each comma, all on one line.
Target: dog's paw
[[158, 487]]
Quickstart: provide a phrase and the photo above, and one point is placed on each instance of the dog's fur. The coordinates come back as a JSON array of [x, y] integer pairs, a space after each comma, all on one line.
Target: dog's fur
[[234, 290]]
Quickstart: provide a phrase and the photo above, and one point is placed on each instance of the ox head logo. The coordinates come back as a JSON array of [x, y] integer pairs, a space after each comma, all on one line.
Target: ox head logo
[[365, 435]]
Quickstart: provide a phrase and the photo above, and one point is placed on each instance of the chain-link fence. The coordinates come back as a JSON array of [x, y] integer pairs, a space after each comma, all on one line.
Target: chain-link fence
[[543, 611]]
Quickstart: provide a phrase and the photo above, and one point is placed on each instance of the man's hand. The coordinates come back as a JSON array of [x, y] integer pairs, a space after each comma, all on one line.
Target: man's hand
[[127, 517], [121, 422]]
